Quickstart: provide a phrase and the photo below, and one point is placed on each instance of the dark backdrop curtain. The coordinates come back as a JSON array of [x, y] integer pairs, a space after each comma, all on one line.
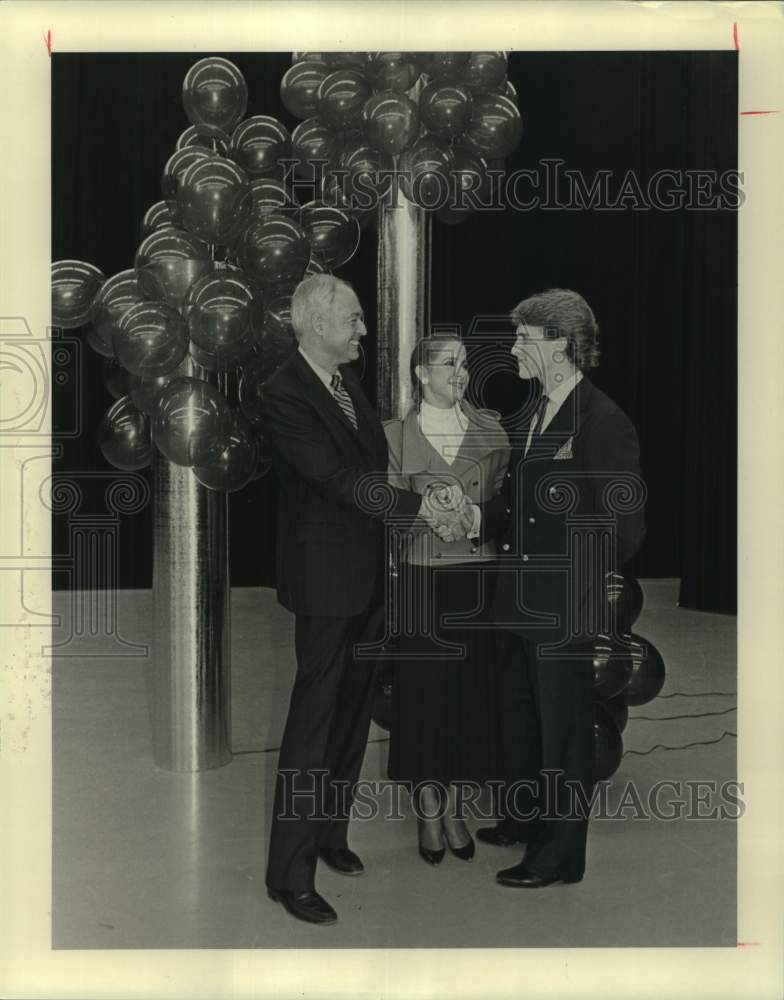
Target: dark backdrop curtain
[[662, 284]]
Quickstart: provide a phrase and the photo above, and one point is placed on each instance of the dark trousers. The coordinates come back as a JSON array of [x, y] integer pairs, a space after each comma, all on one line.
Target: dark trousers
[[546, 725], [323, 746]]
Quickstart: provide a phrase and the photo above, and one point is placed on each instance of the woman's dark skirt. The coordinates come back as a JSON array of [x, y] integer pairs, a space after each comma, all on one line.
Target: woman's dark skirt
[[444, 718]]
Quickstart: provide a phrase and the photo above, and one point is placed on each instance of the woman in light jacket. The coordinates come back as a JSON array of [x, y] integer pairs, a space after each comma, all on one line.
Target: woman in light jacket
[[443, 731]]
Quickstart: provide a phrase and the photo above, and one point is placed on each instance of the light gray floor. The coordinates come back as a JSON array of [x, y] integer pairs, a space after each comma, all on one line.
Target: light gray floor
[[148, 859]]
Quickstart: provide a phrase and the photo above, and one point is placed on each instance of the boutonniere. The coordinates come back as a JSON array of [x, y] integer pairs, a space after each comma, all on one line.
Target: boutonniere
[[565, 451]]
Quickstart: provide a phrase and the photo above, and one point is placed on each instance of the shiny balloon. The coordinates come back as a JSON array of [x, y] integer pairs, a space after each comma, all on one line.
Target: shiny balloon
[[313, 145], [168, 262], [391, 122], [359, 61], [299, 87], [115, 298], [424, 173], [144, 390], [397, 71], [469, 186], [275, 250], [236, 465], [258, 143], [625, 595], [161, 215], [214, 199], [211, 140], [214, 93], [316, 266], [341, 97], [495, 128], [445, 108], [647, 672], [611, 669], [508, 89], [151, 339], [443, 65], [176, 166], [277, 321], [228, 360], [618, 709], [608, 744], [484, 71], [333, 233], [307, 57], [124, 436], [192, 421], [270, 195], [224, 318], [94, 341], [116, 379], [75, 286], [369, 176]]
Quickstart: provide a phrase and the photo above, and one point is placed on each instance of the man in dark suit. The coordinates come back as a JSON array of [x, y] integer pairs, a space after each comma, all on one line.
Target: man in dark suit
[[330, 455], [571, 513]]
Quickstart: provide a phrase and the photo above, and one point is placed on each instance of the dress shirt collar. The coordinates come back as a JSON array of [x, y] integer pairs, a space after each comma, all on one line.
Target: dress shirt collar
[[557, 396]]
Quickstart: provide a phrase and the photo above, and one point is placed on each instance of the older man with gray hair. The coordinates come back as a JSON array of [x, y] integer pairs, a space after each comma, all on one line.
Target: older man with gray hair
[[330, 455]]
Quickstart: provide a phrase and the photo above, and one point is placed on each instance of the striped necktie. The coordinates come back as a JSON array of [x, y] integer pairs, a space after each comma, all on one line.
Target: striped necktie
[[343, 398]]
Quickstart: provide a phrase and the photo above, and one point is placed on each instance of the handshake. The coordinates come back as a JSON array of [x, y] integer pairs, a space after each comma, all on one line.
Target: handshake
[[447, 511]]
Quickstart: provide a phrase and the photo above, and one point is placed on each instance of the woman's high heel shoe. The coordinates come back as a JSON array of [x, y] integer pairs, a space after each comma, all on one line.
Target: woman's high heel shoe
[[426, 853], [466, 852]]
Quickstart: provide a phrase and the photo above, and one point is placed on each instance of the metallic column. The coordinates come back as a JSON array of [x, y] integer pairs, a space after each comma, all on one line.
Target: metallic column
[[403, 300], [189, 683]]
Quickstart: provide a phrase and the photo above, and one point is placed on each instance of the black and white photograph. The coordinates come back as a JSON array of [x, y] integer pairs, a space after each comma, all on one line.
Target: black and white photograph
[[405, 591]]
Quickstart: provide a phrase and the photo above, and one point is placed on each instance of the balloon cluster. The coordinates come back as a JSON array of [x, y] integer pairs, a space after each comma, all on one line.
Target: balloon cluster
[[218, 259], [429, 124], [627, 671]]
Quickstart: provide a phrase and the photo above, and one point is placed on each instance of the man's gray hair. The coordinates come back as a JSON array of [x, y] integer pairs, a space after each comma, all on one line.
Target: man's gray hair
[[314, 294]]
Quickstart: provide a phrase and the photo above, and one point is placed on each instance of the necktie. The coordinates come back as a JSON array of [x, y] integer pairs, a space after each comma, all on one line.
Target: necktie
[[538, 420], [343, 398]]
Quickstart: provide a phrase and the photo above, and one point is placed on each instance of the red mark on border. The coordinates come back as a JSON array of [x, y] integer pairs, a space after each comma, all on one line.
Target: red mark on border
[[774, 112], [735, 35], [748, 944], [48, 41]]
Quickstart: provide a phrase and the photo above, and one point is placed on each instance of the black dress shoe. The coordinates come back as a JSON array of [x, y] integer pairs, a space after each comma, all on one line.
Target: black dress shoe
[[499, 836], [307, 906], [466, 852], [521, 877], [342, 860], [427, 853]]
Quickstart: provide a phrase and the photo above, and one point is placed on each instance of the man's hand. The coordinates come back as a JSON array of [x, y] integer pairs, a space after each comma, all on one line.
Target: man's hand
[[447, 511]]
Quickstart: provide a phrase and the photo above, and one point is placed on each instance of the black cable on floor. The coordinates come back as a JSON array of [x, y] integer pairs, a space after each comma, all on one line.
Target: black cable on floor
[[668, 718], [699, 694], [686, 746]]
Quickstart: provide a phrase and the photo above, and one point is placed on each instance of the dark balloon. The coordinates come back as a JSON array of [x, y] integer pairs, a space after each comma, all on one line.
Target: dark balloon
[[277, 321], [161, 215], [236, 464], [176, 166], [151, 339], [307, 57], [341, 97], [316, 266], [124, 436], [611, 669], [192, 422], [347, 60], [168, 262], [270, 195], [618, 709], [360, 177], [397, 71], [625, 595], [445, 108], [647, 672], [115, 298], [313, 145], [224, 319], [116, 379], [258, 143], [608, 744], [484, 71], [495, 128], [214, 93], [391, 122], [275, 250], [75, 286], [144, 391], [507, 88], [333, 234], [211, 140], [299, 87], [214, 199], [443, 65], [424, 173]]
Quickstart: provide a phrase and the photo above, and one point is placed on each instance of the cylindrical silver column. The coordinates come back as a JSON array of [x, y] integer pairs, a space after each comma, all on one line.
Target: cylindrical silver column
[[189, 683], [403, 300]]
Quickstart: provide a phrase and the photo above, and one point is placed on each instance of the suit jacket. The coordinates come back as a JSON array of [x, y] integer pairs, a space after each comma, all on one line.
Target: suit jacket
[[479, 468], [334, 495], [570, 512]]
